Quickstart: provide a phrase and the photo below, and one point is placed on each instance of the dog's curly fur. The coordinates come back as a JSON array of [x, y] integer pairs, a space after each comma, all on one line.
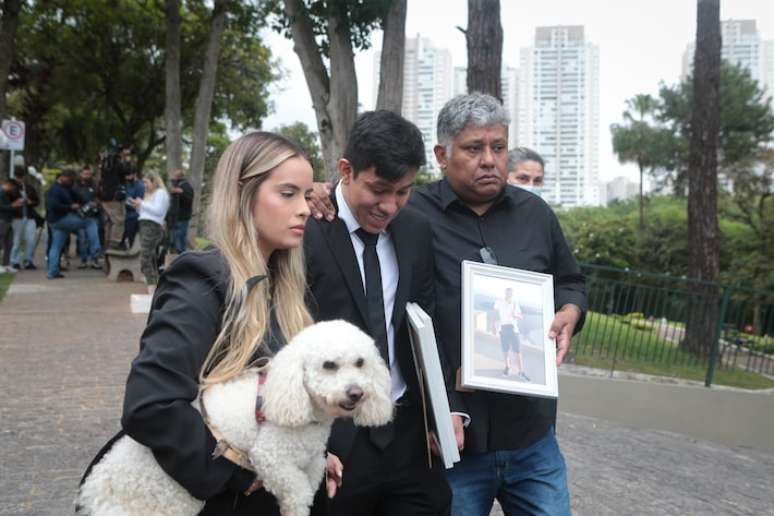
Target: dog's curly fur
[[311, 381]]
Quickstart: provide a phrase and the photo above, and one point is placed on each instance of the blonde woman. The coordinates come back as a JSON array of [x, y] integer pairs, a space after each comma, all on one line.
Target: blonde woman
[[217, 311], [152, 209]]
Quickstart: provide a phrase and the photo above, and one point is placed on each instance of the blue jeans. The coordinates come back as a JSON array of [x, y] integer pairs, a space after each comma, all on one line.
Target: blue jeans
[[23, 231], [179, 235], [88, 248], [70, 223], [528, 481]]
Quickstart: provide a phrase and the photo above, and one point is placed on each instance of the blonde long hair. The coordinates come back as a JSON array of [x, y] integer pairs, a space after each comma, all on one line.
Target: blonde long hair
[[242, 168], [155, 180]]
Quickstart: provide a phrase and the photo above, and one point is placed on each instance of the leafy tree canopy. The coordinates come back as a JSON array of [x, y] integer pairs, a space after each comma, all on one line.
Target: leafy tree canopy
[[91, 70], [746, 120], [307, 139], [363, 18], [655, 132], [611, 236]]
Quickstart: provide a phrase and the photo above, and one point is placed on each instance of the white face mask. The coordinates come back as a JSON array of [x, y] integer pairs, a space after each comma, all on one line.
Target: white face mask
[[537, 190]]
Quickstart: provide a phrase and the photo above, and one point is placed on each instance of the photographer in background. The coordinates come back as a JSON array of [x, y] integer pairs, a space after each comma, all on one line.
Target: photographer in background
[[112, 194], [134, 189], [180, 208], [7, 209], [62, 213], [85, 190], [24, 226]]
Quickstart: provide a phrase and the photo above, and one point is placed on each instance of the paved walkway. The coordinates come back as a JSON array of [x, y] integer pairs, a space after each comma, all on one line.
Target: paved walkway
[[66, 347]]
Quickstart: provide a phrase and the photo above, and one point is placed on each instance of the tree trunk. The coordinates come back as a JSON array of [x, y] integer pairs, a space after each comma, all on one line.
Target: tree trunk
[[172, 88], [484, 38], [703, 231], [8, 25], [390, 95], [642, 198], [204, 106], [342, 100], [334, 97]]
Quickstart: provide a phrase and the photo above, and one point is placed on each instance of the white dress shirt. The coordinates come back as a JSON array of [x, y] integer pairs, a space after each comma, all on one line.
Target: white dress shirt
[[388, 265]]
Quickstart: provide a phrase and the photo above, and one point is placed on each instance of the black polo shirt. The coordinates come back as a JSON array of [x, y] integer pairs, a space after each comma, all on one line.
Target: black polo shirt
[[524, 233]]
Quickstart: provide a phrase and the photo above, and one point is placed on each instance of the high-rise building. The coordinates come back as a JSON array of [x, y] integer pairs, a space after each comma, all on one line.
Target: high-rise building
[[509, 83], [621, 188], [558, 99], [428, 78], [768, 66], [742, 46], [460, 80]]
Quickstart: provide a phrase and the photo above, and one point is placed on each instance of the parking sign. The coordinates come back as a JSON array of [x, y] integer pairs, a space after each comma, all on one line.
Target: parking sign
[[13, 135]]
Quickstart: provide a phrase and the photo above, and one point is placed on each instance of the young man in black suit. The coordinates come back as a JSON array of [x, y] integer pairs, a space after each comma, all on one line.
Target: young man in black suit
[[364, 266]]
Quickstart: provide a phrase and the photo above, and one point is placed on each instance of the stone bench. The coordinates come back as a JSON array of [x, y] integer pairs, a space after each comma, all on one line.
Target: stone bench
[[118, 261]]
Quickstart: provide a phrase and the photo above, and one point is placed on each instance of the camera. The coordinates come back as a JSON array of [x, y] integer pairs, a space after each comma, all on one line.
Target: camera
[[88, 210]]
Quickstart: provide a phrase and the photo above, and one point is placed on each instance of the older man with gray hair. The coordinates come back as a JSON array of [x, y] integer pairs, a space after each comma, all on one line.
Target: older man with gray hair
[[510, 450]]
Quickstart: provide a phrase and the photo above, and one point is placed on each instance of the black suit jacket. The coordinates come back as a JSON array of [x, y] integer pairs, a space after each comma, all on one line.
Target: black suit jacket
[[336, 290], [184, 321]]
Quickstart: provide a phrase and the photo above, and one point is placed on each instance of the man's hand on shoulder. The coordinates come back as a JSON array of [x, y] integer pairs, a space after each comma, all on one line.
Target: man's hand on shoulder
[[562, 328], [320, 201]]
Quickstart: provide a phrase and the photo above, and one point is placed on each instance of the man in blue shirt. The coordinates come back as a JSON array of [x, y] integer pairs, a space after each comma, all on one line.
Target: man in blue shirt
[[134, 189], [62, 205]]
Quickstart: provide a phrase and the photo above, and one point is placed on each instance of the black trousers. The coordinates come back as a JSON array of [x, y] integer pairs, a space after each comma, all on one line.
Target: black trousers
[[6, 242], [396, 481]]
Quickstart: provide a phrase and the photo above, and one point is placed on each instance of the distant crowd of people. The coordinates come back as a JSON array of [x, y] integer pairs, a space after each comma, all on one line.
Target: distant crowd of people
[[105, 213], [19, 223]]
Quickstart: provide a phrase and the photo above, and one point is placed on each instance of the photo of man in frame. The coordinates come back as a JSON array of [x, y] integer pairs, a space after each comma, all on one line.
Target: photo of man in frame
[[508, 339], [509, 314]]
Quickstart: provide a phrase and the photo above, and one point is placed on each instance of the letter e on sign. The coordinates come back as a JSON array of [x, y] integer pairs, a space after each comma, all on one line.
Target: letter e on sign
[[13, 130]]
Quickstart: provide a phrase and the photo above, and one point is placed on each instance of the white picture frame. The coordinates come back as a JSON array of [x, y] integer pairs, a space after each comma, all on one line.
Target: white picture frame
[[505, 343], [431, 384]]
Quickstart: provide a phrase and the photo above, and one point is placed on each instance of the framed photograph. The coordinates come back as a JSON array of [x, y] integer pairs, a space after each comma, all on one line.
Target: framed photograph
[[431, 384], [506, 315]]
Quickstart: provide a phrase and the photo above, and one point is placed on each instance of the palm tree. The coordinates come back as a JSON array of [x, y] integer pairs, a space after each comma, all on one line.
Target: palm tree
[[639, 140]]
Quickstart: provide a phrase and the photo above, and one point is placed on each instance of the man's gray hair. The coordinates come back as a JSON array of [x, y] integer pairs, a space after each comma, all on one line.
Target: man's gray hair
[[522, 154], [478, 109]]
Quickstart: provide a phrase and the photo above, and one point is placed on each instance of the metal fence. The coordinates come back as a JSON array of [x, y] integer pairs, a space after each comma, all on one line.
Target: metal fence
[[638, 321]]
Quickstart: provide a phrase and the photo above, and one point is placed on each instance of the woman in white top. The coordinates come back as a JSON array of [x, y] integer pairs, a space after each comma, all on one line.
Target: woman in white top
[[152, 209]]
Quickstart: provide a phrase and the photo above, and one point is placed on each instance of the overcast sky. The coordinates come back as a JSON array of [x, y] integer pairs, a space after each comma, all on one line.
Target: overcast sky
[[640, 42]]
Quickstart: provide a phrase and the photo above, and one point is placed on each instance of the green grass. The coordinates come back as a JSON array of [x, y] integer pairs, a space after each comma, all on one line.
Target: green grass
[[202, 242], [763, 343], [729, 377], [608, 342], [5, 282]]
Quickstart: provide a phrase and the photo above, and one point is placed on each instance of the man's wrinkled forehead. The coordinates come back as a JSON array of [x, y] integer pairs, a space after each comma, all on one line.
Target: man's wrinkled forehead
[[494, 133]]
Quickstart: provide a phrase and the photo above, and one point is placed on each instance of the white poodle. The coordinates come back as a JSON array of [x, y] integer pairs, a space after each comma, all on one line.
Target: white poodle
[[329, 370]]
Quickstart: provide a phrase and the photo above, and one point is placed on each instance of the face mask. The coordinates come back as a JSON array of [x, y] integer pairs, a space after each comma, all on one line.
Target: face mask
[[537, 190]]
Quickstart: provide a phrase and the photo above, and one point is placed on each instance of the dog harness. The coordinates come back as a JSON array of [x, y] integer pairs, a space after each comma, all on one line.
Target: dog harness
[[223, 448]]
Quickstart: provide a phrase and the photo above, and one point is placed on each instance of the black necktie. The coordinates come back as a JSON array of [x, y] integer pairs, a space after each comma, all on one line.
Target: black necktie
[[380, 436], [374, 292]]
